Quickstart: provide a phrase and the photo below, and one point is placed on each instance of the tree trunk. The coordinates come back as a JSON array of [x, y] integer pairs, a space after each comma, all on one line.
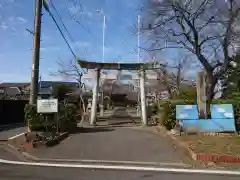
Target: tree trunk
[[211, 83]]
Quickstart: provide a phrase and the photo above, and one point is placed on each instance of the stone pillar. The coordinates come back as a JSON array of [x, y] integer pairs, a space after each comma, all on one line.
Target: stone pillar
[[143, 97], [95, 98], [201, 95]]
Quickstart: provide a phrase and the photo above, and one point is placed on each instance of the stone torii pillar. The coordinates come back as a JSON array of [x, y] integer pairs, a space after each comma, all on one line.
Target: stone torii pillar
[[143, 97], [95, 98]]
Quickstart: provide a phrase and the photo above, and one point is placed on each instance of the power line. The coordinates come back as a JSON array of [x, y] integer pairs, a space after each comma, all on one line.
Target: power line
[[64, 26], [65, 39], [55, 9], [78, 3], [59, 29]]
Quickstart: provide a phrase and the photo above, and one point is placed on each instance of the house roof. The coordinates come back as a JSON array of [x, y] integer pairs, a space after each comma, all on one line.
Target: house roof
[[12, 91], [20, 85]]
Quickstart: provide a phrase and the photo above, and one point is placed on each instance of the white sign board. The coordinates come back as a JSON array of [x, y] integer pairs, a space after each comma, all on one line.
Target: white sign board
[[47, 105]]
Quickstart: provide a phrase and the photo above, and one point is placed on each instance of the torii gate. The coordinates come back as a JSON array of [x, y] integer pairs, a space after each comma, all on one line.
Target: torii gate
[[115, 66]]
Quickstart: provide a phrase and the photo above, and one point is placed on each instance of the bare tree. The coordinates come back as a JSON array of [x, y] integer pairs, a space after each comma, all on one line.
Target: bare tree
[[202, 27], [173, 76], [72, 70]]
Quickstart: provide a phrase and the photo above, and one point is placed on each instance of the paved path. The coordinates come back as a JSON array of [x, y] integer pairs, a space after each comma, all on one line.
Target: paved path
[[118, 144], [21, 172], [7, 132], [119, 116]]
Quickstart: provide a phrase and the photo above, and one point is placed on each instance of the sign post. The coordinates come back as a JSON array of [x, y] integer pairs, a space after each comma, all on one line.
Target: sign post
[[48, 106]]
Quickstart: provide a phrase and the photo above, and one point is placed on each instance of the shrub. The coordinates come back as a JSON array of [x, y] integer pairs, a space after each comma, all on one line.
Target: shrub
[[187, 93], [47, 122], [167, 110], [67, 117], [34, 120]]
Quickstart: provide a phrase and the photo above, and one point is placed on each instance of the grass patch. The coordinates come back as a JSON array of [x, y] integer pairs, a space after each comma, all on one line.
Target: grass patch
[[221, 145]]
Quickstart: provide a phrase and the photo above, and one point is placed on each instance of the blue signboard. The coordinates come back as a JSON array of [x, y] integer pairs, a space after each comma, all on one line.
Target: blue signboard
[[222, 111], [222, 118], [186, 112]]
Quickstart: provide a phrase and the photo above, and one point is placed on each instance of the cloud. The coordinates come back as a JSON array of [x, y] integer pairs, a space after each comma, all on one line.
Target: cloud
[[21, 19], [77, 10], [49, 49], [3, 26], [81, 44], [130, 4], [74, 9], [12, 23], [89, 14]]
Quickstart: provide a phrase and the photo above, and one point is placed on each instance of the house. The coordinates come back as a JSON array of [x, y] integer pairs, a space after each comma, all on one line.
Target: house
[[14, 90], [18, 87], [46, 89]]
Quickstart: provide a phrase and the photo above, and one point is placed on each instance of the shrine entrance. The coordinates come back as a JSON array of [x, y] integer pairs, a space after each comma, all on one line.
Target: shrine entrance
[[97, 67]]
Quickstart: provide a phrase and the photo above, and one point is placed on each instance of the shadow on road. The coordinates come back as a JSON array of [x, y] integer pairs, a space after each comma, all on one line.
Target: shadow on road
[[11, 126], [92, 130]]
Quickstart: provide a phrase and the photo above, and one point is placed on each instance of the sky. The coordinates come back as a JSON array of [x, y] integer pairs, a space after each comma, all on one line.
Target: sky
[[86, 39], [16, 43]]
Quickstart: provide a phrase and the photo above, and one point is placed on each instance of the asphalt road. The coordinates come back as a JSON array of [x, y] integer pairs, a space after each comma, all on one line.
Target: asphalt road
[[115, 144], [9, 131], [7, 155], [23, 172]]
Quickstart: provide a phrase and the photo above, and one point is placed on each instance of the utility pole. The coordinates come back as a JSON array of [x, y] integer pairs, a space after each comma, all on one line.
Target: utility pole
[[138, 54], [36, 52], [103, 59]]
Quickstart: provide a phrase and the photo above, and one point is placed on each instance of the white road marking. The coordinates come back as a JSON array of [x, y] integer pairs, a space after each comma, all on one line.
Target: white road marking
[[135, 168], [17, 135], [114, 162]]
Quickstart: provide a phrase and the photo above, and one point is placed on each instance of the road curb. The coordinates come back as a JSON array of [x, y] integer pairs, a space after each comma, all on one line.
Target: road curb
[[218, 158], [108, 162]]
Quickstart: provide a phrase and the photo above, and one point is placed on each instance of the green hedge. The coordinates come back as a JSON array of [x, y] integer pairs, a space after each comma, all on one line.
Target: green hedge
[[166, 110], [48, 122]]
